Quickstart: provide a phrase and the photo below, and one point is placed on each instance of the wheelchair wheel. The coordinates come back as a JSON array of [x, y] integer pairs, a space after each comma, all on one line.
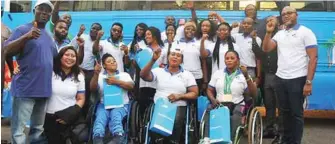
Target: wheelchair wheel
[[134, 123], [255, 127], [238, 134], [146, 119]]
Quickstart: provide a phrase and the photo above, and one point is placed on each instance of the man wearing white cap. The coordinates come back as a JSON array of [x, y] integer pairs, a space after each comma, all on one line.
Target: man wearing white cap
[[35, 50], [297, 59]]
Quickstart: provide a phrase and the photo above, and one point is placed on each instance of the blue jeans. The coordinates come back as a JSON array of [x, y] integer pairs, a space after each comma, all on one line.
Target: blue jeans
[[112, 117], [25, 109]]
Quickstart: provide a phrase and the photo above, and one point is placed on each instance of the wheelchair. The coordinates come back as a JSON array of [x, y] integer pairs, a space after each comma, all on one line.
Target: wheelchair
[[82, 132], [251, 123], [189, 131]]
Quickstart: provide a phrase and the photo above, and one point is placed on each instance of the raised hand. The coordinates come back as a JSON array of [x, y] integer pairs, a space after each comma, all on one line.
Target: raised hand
[[253, 34], [81, 30], [80, 42], [270, 26], [190, 4], [124, 48], [100, 34], [204, 37], [34, 32], [244, 70], [156, 54]]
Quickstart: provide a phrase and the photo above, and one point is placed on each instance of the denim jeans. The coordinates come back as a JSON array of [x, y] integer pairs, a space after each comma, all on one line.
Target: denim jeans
[[25, 109], [291, 100], [112, 117]]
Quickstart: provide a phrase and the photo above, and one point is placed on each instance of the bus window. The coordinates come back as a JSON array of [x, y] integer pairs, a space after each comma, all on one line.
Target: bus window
[[20, 6]]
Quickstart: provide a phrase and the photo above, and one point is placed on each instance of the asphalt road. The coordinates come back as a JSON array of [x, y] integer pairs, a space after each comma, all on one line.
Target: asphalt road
[[316, 131]]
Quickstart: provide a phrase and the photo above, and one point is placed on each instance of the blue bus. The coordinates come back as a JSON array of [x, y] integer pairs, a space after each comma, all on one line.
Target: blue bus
[[317, 15]]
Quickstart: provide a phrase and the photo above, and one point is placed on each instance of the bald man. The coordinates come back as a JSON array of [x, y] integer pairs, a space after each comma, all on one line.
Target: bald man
[[297, 59]]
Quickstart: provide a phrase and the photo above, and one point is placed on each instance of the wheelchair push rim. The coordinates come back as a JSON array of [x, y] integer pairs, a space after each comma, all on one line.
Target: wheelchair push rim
[[255, 127]]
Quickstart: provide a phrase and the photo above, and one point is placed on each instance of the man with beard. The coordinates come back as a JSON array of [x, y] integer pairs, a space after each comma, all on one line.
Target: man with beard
[[55, 17], [31, 88], [61, 39], [113, 45], [297, 59]]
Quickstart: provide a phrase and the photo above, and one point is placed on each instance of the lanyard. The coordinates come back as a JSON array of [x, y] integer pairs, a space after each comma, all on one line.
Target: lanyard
[[227, 82]]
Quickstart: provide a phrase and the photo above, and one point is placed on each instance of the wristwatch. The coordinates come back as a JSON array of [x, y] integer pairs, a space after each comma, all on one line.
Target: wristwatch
[[308, 82]]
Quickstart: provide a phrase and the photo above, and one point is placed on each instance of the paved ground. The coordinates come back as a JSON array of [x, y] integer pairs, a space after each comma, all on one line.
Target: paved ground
[[317, 131]]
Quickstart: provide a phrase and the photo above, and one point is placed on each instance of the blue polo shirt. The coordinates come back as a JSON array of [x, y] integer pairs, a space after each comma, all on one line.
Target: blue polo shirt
[[36, 64]]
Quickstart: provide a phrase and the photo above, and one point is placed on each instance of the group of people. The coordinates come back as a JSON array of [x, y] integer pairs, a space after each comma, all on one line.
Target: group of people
[[227, 62]]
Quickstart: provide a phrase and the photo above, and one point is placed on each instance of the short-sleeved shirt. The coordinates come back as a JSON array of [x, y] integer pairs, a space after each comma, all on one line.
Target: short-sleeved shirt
[[172, 83], [108, 46], [36, 64], [88, 61], [66, 42], [191, 57], [64, 93], [144, 83], [238, 85], [179, 34], [222, 51], [291, 48], [121, 76], [247, 56], [140, 43]]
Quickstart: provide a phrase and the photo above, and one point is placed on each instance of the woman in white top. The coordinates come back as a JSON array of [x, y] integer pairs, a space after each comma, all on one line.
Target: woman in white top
[[68, 95], [205, 34], [110, 116], [137, 43], [173, 84], [229, 86], [223, 44], [168, 43], [147, 90]]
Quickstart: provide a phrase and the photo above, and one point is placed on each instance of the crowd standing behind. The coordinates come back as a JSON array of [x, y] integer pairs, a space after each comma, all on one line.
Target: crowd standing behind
[[59, 72]]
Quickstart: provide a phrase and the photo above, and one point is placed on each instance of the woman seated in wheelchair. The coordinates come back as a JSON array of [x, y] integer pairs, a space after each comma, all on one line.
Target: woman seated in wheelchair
[[229, 87], [176, 85], [111, 117]]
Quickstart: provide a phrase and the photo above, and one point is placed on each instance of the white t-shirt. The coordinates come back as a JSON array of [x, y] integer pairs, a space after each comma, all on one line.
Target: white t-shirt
[[292, 56], [179, 34], [247, 56], [141, 44], [238, 85], [121, 76], [191, 57], [64, 92], [107, 46], [168, 83], [222, 51], [88, 61]]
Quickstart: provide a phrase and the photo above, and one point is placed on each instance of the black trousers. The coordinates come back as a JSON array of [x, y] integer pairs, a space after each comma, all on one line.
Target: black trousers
[[291, 100], [271, 102], [88, 77], [178, 129], [146, 98], [55, 132]]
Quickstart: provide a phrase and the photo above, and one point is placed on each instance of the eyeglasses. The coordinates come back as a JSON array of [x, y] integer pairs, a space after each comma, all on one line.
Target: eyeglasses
[[116, 30], [288, 13]]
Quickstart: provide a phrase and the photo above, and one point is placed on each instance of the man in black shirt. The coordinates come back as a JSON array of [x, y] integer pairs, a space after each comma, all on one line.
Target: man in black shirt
[[269, 69]]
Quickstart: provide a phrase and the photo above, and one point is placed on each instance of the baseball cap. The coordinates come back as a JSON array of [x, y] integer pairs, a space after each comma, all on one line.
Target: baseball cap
[[39, 2]]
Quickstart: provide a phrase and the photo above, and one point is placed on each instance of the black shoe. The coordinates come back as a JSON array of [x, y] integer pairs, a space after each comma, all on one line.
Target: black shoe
[[118, 139], [278, 140], [269, 133]]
